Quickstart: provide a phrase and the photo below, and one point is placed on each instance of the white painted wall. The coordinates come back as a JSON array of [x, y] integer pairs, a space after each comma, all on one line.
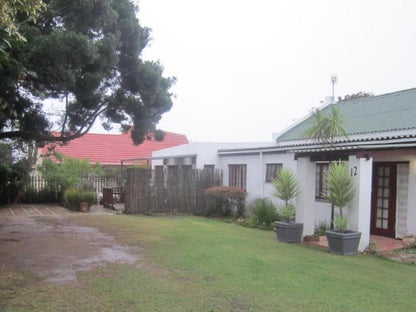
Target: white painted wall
[[287, 160], [207, 152], [305, 201], [254, 180], [256, 171], [359, 209]]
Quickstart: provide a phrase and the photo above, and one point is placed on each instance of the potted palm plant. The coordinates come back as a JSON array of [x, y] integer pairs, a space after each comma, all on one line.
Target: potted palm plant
[[286, 187], [340, 191]]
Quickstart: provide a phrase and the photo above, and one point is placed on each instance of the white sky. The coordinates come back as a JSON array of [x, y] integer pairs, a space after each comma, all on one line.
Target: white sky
[[246, 69]]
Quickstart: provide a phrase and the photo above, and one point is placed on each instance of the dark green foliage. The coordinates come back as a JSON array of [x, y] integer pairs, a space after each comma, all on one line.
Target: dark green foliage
[[74, 197], [12, 175], [224, 201], [46, 195], [263, 213], [87, 54]]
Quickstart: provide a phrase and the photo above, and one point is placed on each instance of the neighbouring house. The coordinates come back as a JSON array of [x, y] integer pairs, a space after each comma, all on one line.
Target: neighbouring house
[[380, 150], [110, 149]]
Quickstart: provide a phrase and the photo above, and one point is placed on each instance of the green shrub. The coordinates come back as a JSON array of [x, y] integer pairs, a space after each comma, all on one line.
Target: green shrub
[[12, 177], [320, 228], [66, 172], [74, 197], [89, 197], [263, 213], [224, 201], [286, 187], [286, 213]]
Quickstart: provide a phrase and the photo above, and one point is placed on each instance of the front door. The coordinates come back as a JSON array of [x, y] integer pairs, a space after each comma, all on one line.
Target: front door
[[383, 208]]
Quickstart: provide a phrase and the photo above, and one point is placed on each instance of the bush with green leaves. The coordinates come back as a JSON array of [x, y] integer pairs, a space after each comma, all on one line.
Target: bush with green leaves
[[13, 174], [320, 228], [67, 172], [224, 201], [74, 197], [263, 213], [286, 187]]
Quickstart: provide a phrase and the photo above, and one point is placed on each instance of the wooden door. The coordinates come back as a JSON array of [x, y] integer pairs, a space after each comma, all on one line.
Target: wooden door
[[383, 208]]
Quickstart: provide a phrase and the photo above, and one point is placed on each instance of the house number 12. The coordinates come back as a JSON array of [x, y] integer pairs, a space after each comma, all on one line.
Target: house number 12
[[353, 171]]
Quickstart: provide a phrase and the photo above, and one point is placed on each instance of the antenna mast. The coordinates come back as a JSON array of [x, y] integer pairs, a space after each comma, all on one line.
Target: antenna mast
[[334, 79]]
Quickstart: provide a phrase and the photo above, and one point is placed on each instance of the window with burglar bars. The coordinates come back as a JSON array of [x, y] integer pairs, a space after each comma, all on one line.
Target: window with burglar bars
[[238, 176], [272, 171], [320, 184]]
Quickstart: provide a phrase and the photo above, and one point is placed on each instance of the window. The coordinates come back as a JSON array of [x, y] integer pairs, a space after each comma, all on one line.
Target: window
[[272, 171], [320, 185], [238, 176]]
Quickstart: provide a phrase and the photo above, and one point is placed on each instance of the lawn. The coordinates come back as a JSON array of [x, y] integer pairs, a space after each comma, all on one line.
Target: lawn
[[196, 264]]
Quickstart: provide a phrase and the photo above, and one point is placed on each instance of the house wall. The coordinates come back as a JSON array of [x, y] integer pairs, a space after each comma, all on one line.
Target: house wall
[[256, 171], [207, 153], [256, 162]]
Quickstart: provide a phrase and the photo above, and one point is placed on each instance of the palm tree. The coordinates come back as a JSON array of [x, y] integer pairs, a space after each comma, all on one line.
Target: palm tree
[[335, 122], [286, 187], [317, 131], [340, 189], [325, 128]]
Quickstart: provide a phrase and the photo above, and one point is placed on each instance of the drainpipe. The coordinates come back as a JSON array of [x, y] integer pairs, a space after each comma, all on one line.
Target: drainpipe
[[262, 173]]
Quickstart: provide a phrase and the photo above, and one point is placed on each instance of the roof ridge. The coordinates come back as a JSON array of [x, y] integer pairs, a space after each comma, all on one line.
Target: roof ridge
[[395, 93]]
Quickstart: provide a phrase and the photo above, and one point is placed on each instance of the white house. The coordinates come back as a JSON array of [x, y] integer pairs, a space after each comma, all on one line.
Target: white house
[[380, 150]]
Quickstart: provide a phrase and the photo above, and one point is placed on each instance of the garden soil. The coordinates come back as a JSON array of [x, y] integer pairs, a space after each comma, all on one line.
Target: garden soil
[[55, 249]]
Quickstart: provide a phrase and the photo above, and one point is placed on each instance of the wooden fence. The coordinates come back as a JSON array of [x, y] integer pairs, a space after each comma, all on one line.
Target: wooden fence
[[168, 191]]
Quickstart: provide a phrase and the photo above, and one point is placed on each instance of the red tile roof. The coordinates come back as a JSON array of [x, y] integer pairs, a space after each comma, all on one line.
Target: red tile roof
[[110, 149]]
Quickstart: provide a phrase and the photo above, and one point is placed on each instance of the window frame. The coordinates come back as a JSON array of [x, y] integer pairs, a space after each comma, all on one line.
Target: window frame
[[320, 185], [237, 175], [272, 170]]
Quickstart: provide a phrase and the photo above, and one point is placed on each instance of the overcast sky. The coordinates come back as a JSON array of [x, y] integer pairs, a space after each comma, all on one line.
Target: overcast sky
[[246, 69]]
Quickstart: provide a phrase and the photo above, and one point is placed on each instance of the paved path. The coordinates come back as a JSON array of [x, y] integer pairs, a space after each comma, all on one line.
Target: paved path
[[46, 210]]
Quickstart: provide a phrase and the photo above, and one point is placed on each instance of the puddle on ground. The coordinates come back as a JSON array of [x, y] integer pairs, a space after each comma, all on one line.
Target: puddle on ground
[[56, 249]]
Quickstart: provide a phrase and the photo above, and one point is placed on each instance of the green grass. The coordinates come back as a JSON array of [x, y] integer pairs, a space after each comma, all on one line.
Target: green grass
[[195, 264]]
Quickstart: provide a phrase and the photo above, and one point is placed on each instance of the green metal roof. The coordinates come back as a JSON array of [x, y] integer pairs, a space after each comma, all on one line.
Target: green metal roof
[[387, 112]]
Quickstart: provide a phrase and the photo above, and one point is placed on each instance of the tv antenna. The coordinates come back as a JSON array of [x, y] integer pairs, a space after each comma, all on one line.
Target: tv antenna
[[334, 80]]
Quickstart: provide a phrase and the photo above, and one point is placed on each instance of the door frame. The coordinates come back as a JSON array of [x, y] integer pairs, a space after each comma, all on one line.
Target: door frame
[[391, 230]]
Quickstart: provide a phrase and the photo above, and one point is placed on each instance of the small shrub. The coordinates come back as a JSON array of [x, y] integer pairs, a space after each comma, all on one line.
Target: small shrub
[[89, 197], [224, 201], [287, 213], [320, 228], [263, 213], [74, 197]]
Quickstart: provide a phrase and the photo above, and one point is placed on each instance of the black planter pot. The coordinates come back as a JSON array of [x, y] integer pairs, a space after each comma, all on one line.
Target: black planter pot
[[343, 243], [289, 232]]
